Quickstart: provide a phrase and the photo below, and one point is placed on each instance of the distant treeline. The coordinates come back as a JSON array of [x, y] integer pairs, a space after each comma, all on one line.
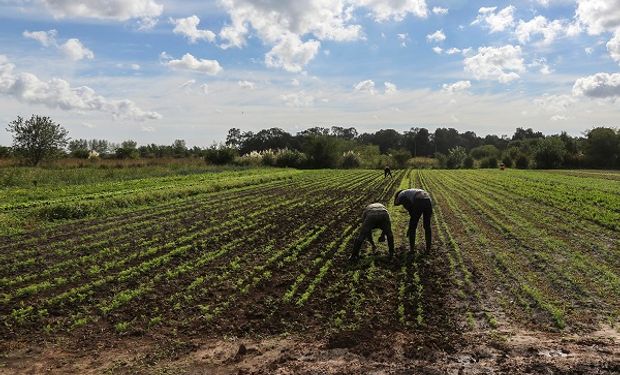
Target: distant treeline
[[321, 147]]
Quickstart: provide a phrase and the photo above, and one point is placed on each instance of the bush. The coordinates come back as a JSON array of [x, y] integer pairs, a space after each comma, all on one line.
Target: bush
[[490, 162], [400, 157], [456, 156], [350, 159], [485, 151], [423, 163], [507, 161], [468, 162], [268, 158], [442, 159], [220, 155], [549, 153], [522, 162], [290, 158]]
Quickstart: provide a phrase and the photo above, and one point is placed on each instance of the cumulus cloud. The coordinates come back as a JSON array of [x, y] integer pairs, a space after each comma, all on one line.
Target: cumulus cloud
[[189, 62], [246, 85], [438, 50], [440, 11], [118, 10], [367, 86], [453, 51], [456, 86], [188, 27], [291, 54], [437, 37], [495, 21], [403, 39], [390, 88], [555, 104], [75, 50], [46, 38], [284, 25], [72, 48], [613, 47], [539, 25], [298, 99], [501, 64], [598, 16], [600, 85], [397, 10], [542, 66], [57, 93]]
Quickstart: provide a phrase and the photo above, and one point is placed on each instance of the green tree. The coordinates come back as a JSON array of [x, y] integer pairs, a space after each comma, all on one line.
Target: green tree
[[456, 157], [128, 150], [38, 138], [485, 151], [78, 148], [549, 153], [602, 147]]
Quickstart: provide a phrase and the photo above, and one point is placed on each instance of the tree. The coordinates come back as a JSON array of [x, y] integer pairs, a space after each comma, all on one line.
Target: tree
[[456, 157], [602, 147], [234, 139], [179, 149], [78, 148], [128, 150], [38, 138], [485, 151], [528, 133], [549, 153], [101, 146]]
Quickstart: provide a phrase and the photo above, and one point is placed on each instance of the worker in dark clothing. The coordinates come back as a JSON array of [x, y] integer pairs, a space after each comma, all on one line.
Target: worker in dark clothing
[[375, 216], [387, 172], [418, 203]]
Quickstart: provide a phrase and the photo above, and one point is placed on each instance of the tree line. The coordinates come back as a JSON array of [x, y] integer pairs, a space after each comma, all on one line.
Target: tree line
[[40, 138]]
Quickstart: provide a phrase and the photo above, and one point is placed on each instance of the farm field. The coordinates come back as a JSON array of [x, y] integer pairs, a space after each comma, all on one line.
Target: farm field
[[247, 272]]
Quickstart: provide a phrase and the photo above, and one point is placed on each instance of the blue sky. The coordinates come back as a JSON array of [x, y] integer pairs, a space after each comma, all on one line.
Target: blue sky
[[155, 70]]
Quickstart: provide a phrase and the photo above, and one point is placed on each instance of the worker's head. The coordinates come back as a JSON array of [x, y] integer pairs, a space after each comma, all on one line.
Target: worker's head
[[396, 202]]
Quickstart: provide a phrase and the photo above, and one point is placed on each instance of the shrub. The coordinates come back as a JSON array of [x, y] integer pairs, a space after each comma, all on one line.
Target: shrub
[[290, 158], [351, 159], [522, 162], [400, 157], [442, 159], [220, 155], [268, 158], [456, 156], [423, 163], [468, 162], [485, 151], [507, 161], [549, 153], [490, 162]]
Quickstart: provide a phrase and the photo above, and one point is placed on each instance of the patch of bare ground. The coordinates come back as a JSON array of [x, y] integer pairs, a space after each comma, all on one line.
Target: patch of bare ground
[[503, 352]]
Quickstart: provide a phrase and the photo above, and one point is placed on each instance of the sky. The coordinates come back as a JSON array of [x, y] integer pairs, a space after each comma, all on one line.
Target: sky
[[159, 70]]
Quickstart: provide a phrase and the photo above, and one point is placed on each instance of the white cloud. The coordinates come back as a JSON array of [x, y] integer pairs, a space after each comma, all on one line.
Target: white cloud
[[539, 25], [72, 48], [456, 86], [204, 88], [246, 85], [285, 24], [188, 27], [438, 50], [187, 83], [598, 16], [542, 65], [57, 93], [298, 99], [390, 88], [437, 37], [291, 54], [600, 85], [440, 11], [295, 82], [397, 10], [403, 39], [46, 38], [147, 129], [453, 51], [75, 50], [502, 63], [495, 21], [189, 62], [119, 10], [588, 50], [613, 47], [135, 66], [367, 86]]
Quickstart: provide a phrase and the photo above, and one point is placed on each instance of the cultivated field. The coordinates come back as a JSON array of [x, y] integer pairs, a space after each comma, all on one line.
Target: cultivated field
[[247, 271]]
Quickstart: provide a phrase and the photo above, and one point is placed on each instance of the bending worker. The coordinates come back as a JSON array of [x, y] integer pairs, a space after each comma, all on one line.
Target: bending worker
[[418, 203], [375, 216], [387, 172]]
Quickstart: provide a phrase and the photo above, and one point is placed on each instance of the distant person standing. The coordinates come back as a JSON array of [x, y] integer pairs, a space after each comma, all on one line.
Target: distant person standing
[[375, 216], [387, 172], [418, 203]]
